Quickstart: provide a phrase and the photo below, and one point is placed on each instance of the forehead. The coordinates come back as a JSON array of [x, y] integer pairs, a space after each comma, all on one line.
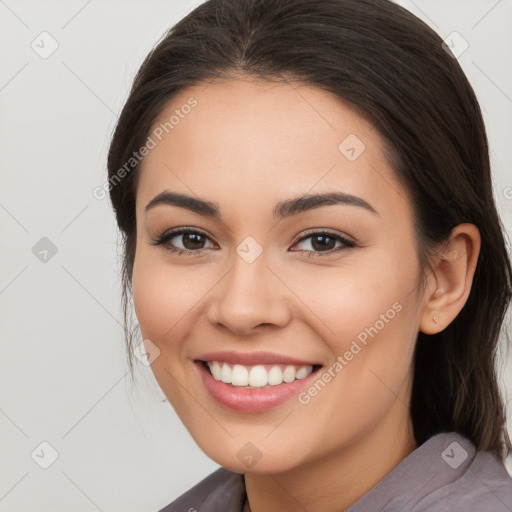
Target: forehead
[[247, 139]]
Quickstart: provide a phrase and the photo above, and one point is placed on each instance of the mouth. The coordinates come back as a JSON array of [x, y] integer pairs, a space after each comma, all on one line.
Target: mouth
[[260, 376], [253, 388]]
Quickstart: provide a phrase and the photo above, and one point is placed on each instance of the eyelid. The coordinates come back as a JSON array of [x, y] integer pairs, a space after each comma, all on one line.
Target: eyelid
[[345, 243], [162, 239], [327, 231]]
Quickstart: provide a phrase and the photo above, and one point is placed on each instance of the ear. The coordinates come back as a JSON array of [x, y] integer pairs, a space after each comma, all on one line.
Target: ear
[[449, 284]]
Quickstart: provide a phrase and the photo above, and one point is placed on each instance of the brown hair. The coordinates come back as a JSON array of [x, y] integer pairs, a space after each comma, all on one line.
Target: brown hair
[[392, 67]]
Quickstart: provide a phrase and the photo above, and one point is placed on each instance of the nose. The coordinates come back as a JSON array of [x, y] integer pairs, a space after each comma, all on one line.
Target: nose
[[250, 297]]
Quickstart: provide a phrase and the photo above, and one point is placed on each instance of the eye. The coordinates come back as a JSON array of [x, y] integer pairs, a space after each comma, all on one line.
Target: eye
[[192, 241], [323, 243]]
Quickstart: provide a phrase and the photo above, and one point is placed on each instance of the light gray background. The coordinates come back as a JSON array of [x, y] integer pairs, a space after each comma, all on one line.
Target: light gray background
[[63, 376]]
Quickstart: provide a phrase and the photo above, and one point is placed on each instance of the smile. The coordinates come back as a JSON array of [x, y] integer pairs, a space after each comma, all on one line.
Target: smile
[[258, 376], [253, 388]]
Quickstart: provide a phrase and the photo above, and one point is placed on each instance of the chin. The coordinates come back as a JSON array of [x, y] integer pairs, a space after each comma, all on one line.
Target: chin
[[247, 458]]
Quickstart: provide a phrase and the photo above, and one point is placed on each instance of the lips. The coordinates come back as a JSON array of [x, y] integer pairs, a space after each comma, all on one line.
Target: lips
[[249, 399]]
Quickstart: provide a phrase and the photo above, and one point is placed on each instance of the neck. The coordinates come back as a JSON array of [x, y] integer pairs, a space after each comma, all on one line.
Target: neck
[[334, 482]]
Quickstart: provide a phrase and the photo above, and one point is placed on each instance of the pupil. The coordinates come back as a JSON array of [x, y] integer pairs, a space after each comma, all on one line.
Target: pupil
[[320, 247]]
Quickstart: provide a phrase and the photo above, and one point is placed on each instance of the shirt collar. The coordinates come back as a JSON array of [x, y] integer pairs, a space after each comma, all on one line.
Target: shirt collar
[[438, 461]]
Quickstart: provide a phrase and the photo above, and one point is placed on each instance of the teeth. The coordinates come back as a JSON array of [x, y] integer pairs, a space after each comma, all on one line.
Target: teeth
[[257, 376], [275, 376], [239, 375], [215, 369], [289, 374], [302, 372], [225, 374]]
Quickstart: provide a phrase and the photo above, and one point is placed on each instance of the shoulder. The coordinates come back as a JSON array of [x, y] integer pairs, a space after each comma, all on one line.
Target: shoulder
[[444, 473], [220, 490], [484, 485]]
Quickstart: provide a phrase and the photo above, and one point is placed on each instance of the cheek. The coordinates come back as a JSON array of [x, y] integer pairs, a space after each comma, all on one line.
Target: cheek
[[362, 293], [167, 297], [369, 317], [161, 297], [373, 313]]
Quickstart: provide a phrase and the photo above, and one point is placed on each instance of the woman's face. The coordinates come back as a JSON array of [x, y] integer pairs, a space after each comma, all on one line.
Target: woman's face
[[328, 283]]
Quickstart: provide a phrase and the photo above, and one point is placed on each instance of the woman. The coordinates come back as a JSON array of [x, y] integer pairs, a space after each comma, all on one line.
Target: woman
[[316, 261]]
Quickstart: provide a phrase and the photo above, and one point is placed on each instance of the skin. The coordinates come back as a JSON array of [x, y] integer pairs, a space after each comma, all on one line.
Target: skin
[[246, 146]]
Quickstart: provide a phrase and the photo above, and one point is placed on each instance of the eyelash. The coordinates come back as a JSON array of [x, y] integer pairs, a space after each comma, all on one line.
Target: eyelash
[[162, 241]]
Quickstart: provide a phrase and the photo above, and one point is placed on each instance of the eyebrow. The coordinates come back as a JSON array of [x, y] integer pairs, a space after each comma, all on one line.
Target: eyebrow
[[283, 209]]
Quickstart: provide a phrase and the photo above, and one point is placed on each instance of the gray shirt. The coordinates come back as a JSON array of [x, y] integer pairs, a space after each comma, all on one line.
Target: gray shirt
[[443, 474]]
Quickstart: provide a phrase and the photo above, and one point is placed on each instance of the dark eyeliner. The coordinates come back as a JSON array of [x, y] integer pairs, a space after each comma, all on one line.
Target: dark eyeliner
[[168, 235], [346, 243], [163, 239]]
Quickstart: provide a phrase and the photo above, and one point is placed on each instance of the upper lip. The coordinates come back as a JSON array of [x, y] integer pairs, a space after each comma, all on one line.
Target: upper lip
[[253, 358]]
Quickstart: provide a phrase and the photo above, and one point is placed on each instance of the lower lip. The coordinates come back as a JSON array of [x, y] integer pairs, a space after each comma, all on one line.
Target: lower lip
[[251, 400]]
